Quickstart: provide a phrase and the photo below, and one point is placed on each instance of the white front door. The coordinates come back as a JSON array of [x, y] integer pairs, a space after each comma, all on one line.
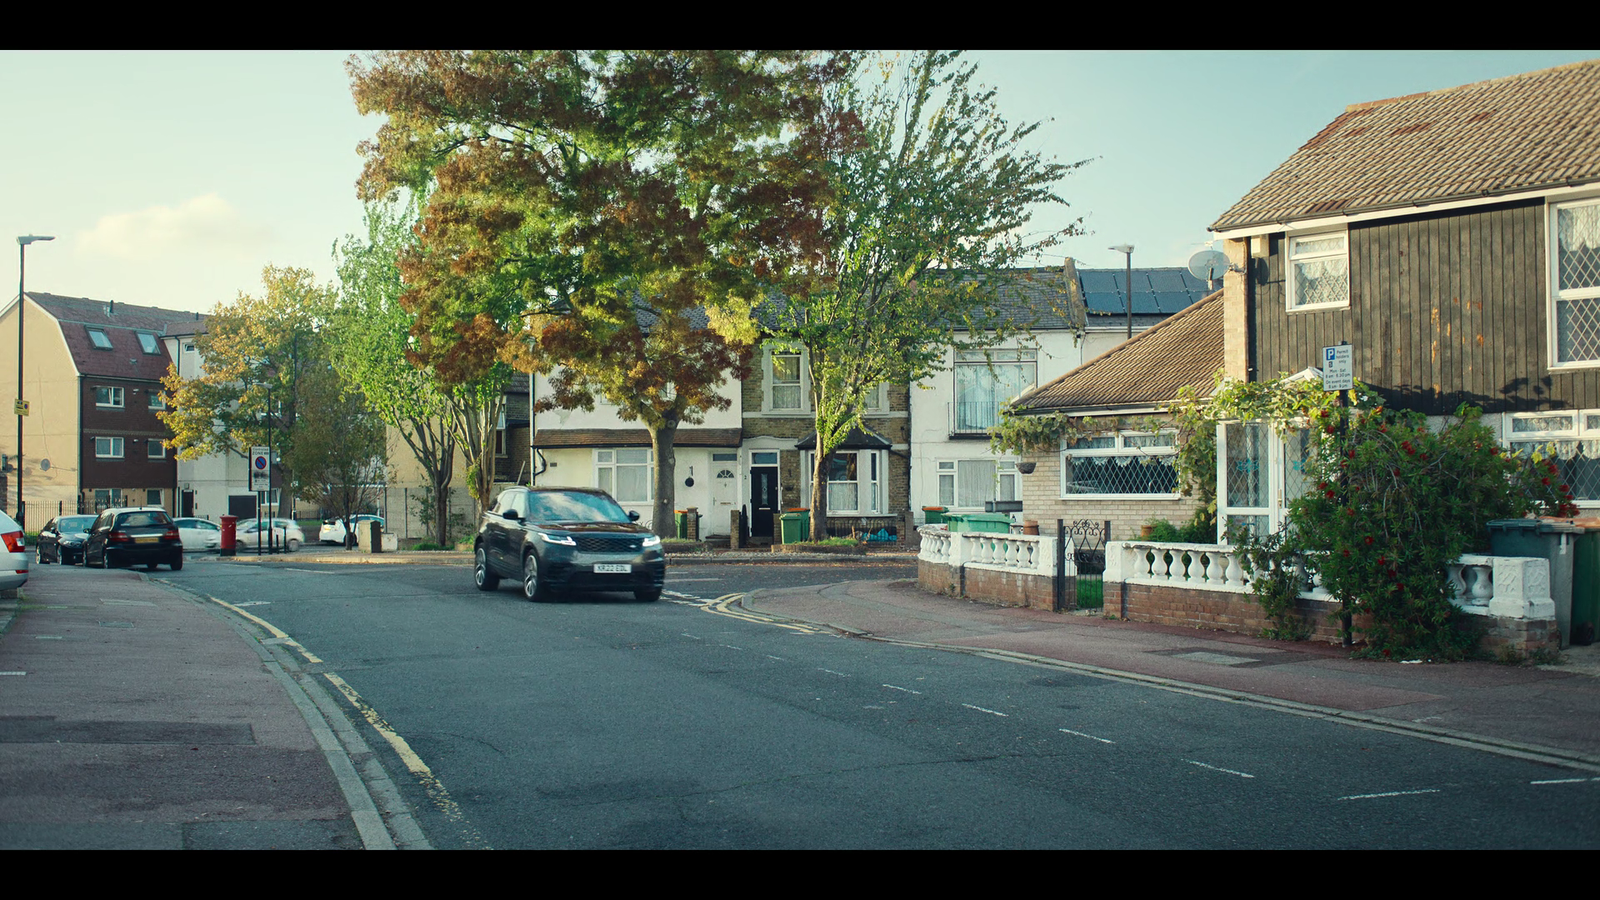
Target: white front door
[[1258, 475]]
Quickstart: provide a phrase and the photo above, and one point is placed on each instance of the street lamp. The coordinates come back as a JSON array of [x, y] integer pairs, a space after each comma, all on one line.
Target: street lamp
[[22, 302], [1128, 283]]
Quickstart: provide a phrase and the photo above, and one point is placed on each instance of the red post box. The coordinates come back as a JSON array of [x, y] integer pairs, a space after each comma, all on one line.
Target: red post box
[[230, 536]]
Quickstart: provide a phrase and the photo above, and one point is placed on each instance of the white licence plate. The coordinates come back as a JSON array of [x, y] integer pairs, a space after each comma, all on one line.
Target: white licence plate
[[613, 568]]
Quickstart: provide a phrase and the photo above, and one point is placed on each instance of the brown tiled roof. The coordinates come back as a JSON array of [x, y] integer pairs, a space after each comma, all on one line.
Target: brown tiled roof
[[1185, 349], [121, 323], [1521, 133], [554, 438]]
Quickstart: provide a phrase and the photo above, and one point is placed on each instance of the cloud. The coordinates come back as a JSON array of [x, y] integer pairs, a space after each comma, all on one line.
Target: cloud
[[203, 224]]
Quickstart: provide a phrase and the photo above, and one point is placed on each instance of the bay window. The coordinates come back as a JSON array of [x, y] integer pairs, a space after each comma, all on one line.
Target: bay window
[[970, 483], [855, 482]]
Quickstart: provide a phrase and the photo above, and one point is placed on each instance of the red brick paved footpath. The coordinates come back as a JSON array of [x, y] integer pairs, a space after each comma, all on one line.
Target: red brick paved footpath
[[136, 716], [1547, 712]]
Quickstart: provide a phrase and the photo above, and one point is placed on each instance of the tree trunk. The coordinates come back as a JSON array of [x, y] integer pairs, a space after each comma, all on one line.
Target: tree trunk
[[661, 443], [819, 496]]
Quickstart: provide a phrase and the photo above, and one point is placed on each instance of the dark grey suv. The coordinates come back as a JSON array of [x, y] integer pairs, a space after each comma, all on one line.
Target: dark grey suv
[[555, 539]]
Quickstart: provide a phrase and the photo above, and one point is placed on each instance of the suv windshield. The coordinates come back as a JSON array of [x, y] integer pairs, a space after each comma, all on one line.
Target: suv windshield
[[559, 506]]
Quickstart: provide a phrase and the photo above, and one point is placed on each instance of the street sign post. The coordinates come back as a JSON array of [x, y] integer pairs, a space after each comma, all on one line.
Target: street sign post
[[1338, 368], [260, 469]]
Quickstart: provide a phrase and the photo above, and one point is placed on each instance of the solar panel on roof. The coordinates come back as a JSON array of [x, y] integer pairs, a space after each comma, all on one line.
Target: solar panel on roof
[[1144, 304], [1105, 302], [1101, 281], [1168, 280], [1173, 301]]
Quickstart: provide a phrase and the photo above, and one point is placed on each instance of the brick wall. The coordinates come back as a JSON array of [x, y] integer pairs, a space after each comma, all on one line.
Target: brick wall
[[991, 586]]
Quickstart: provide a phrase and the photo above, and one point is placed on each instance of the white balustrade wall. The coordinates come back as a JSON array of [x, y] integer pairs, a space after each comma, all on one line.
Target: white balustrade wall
[[1511, 587], [1028, 554]]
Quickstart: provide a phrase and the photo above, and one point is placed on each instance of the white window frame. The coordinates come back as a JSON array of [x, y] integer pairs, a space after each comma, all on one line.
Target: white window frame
[[1005, 487], [1558, 297], [972, 361], [155, 400], [1279, 460], [114, 397], [155, 449], [1292, 256], [1582, 425], [99, 338], [871, 482], [149, 343], [606, 464], [157, 501], [1124, 444], [770, 384], [113, 448]]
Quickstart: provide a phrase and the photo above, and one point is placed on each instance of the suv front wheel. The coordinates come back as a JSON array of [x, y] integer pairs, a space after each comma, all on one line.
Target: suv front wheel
[[482, 576]]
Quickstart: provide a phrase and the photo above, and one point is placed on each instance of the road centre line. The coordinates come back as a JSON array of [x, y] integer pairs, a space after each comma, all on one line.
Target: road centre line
[[1228, 771], [1388, 794], [896, 687], [1089, 736], [1565, 781], [989, 711]]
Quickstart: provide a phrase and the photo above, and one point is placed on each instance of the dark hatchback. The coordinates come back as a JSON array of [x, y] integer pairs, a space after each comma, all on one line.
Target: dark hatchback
[[566, 539], [61, 539], [123, 537]]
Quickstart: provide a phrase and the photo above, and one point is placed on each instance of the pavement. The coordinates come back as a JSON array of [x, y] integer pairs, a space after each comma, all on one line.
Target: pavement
[[139, 716]]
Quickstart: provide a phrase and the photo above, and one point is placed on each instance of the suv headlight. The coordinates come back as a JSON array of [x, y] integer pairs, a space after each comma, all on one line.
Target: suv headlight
[[651, 540], [562, 539]]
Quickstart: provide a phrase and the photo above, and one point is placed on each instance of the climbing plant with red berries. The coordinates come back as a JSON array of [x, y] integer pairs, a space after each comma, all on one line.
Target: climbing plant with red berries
[[1394, 502]]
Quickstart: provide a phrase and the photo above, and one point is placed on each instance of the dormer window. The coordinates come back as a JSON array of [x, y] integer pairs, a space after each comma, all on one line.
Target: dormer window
[[149, 344], [99, 338]]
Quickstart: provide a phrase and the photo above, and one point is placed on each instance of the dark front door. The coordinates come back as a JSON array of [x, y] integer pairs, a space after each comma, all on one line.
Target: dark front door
[[186, 509], [763, 500]]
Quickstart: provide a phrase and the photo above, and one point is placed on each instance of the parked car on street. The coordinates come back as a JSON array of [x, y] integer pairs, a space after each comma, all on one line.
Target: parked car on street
[[199, 535], [13, 554], [286, 534], [61, 540], [556, 539], [332, 530], [128, 536]]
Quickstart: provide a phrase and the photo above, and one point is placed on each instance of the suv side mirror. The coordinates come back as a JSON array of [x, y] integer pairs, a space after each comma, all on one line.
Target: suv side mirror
[[633, 515], [512, 515]]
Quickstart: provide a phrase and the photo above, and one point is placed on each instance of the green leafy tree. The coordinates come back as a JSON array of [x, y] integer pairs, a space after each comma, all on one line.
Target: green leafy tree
[[339, 453], [930, 191], [368, 340], [256, 354], [584, 206]]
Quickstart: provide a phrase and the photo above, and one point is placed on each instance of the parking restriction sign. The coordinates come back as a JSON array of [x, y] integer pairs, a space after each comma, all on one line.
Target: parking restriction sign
[[260, 469], [1338, 368]]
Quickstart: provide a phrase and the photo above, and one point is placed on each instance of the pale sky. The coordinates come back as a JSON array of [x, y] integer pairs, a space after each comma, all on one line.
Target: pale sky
[[171, 178]]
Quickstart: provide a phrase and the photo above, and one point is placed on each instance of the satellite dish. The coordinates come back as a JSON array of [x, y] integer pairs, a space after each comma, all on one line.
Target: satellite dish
[[1208, 264], [44, 465]]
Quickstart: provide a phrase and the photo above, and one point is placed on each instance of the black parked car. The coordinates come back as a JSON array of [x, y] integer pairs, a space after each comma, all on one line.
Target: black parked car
[[129, 536], [61, 540], [566, 538]]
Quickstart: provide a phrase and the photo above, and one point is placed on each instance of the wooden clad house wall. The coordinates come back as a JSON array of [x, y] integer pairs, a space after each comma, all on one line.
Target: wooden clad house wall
[[1445, 308]]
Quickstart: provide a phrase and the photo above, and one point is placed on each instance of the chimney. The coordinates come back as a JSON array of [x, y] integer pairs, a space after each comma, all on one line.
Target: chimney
[[111, 308]]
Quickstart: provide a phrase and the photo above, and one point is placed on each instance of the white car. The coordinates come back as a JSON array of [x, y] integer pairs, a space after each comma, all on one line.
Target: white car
[[286, 533], [13, 554], [199, 535], [332, 531]]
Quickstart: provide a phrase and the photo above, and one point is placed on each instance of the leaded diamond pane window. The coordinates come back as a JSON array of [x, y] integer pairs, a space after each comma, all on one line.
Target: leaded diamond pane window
[[1120, 464], [1577, 277], [1319, 271]]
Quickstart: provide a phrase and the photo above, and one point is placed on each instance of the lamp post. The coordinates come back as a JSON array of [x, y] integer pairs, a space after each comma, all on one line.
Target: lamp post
[[22, 301], [1127, 282]]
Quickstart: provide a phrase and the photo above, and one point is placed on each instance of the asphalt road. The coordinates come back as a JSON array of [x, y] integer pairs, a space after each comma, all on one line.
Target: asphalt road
[[599, 722]]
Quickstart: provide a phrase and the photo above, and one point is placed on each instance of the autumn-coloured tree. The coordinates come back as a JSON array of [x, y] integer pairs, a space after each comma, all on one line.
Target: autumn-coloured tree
[[585, 207], [929, 202], [338, 455], [256, 353]]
